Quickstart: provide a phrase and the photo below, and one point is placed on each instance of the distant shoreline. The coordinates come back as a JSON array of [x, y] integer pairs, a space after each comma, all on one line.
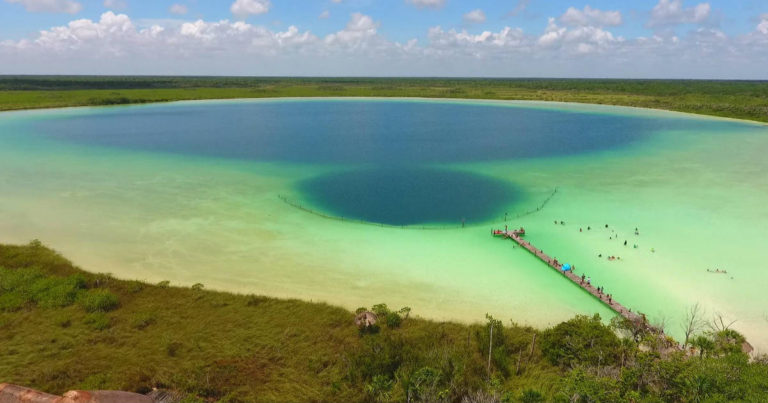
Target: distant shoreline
[[738, 100], [520, 102]]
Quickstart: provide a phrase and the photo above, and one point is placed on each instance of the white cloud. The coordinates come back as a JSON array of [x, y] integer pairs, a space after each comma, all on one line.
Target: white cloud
[[244, 8], [325, 14], [49, 6], [115, 4], [762, 27], [579, 40], [114, 44], [475, 16], [358, 31], [672, 12], [478, 45], [178, 9], [591, 17], [519, 8], [427, 3]]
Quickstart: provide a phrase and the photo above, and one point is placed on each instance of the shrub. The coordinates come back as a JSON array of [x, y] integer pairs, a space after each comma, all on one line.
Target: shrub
[[380, 310], [23, 287], [56, 292], [135, 286], [62, 319], [12, 301], [255, 300], [380, 388], [164, 284], [172, 348], [98, 301], [393, 320], [197, 286], [581, 340], [142, 320], [98, 321], [531, 396]]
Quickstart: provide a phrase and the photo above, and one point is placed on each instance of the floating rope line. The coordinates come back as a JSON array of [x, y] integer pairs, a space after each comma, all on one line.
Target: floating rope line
[[506, 217]]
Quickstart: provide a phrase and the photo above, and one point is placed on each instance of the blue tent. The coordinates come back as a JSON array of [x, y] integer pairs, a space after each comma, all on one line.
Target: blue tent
[[566, 267]]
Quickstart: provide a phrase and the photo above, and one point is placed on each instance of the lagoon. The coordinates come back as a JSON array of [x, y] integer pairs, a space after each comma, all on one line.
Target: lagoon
[[189, 192]]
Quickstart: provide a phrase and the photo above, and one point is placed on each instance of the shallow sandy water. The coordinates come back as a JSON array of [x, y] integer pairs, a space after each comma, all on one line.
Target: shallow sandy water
[[700, 200]]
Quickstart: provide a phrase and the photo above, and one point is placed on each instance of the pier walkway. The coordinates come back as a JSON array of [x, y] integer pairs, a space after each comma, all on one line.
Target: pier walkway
[[516, 235]]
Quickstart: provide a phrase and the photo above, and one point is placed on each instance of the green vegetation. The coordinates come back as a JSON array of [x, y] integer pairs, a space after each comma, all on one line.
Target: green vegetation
[[62, 328], [734, 99]]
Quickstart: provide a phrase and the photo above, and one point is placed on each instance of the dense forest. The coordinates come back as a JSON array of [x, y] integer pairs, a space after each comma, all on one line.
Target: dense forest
[[63, 328]]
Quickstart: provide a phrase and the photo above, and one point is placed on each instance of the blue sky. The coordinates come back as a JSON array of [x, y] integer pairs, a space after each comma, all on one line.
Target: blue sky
[[639, 38]]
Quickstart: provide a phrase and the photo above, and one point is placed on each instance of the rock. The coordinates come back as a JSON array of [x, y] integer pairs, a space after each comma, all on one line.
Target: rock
[[366, 319], [103, 396], [19, 394]]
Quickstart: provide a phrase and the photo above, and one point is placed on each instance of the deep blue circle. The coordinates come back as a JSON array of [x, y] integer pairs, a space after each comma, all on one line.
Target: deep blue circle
[[411, 195]]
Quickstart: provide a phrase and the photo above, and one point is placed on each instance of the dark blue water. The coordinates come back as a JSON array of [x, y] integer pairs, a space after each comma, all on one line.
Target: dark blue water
[[355, 131], [403, 196], [391, 141]]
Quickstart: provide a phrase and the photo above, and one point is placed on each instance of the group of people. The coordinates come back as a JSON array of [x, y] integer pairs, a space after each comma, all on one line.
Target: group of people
[[600, 290]]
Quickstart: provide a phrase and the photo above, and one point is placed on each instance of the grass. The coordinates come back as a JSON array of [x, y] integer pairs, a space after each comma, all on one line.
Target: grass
[[116, 334], [62, 328], [732, 99]]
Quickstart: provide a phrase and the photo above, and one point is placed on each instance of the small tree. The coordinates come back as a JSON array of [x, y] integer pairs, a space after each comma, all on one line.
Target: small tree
[[381, 310], [693, 323], [491, 324], [704, 344]]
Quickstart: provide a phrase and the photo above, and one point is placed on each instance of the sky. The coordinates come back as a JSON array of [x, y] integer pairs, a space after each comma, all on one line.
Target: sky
[[719, 39]]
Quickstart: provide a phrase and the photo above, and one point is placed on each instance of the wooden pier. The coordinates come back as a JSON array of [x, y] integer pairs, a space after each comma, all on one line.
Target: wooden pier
[[516, 235]]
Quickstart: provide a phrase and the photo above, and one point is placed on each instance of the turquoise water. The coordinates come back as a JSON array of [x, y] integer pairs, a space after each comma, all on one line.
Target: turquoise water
[[189, 192]]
